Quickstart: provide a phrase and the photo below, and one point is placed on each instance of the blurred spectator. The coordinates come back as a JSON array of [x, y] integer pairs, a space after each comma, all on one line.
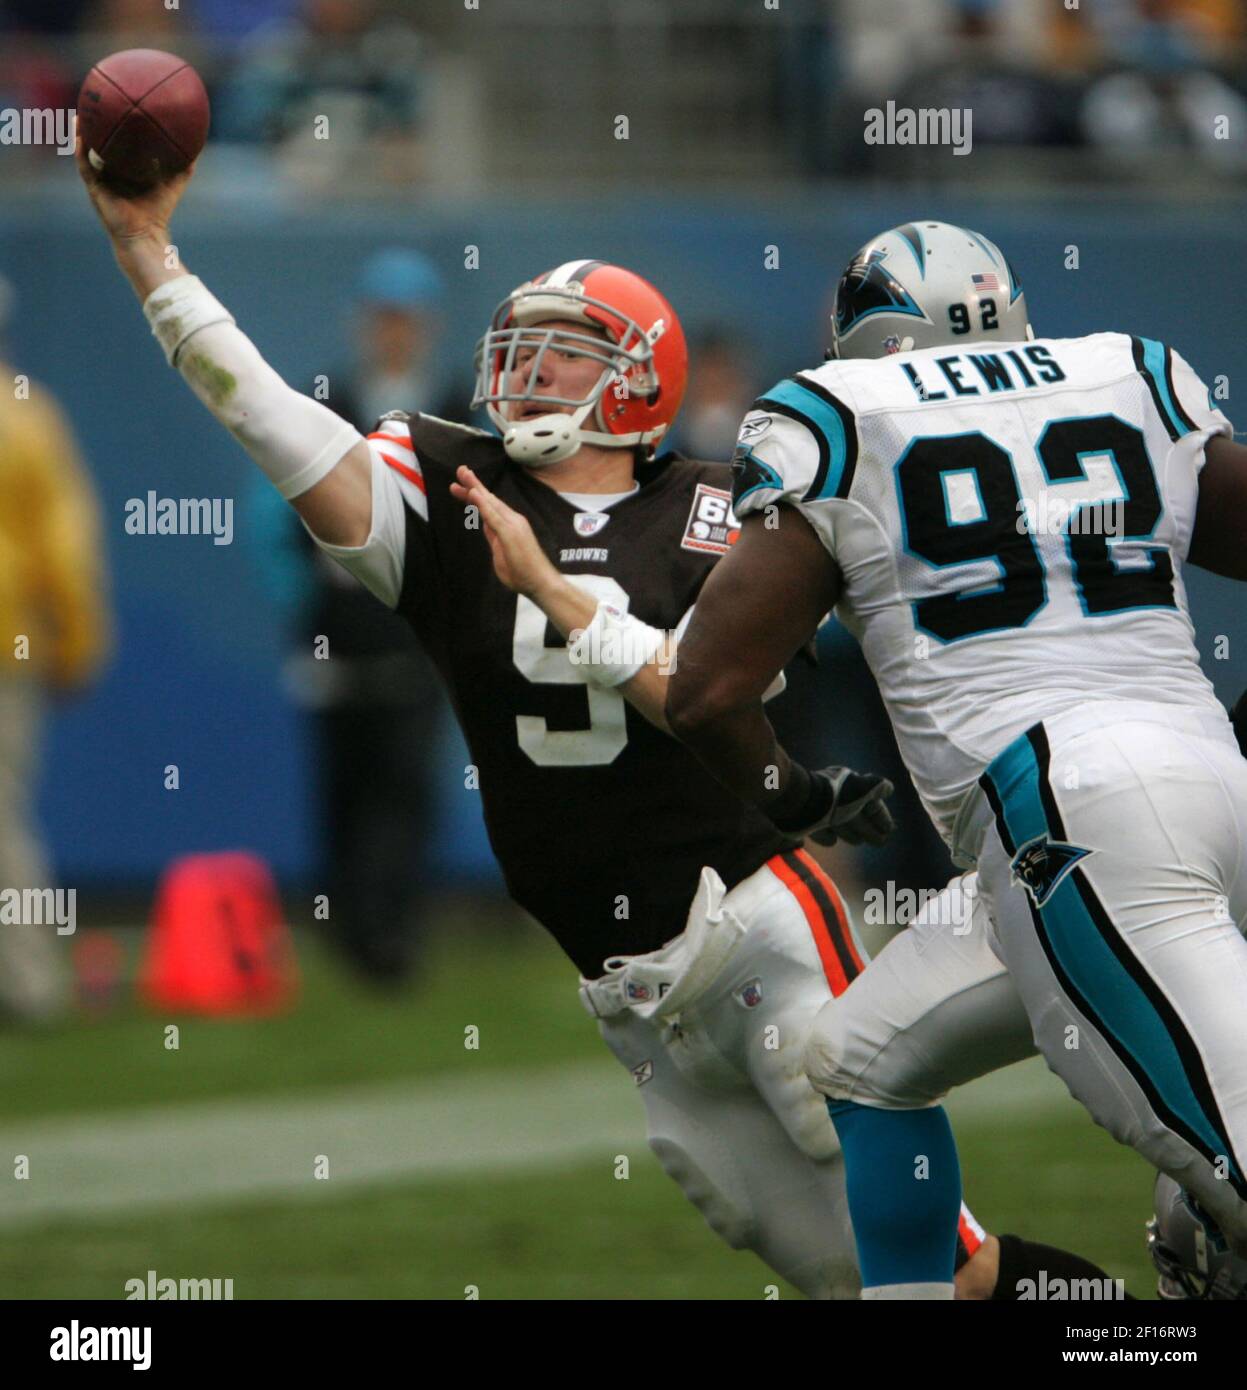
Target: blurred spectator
[[232, 20], [119, 24], [720, 391], [375, 704], [39, 17], [53, 638], [1165, 98], [399, 298], [1013, 100], [335, 89]]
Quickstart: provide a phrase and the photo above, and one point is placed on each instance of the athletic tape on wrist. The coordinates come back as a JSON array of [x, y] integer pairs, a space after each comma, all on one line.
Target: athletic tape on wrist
[[614, 646]]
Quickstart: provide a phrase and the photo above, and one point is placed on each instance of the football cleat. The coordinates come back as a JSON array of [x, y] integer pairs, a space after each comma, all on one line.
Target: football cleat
[[643, 358], [926, 284]]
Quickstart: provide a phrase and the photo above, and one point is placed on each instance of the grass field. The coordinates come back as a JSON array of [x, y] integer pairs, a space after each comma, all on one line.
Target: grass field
[[447, 1167]]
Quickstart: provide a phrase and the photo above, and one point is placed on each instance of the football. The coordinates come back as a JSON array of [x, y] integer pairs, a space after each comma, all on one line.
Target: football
[[143, 116]]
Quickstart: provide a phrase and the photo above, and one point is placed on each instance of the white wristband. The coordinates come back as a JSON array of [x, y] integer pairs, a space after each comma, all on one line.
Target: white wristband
[[615, 645], [294, 439], [179, 308]]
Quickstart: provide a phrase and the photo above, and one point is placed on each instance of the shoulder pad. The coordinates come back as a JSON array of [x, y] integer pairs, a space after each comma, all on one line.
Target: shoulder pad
[[799, 441]]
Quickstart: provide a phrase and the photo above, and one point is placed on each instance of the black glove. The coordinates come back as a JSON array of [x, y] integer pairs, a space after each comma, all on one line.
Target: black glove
[[839, 804], [1238, 717]]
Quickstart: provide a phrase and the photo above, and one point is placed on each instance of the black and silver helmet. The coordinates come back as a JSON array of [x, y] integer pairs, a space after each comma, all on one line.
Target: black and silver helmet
[[1189, 1252], [926, 284]]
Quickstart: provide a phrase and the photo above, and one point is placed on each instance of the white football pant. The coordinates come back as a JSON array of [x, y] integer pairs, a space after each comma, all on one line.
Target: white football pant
[[731, 1114], [1114, 874]]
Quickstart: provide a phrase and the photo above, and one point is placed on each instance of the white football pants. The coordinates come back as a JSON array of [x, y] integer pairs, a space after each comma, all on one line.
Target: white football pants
[[1114, 874], [731, 1115]]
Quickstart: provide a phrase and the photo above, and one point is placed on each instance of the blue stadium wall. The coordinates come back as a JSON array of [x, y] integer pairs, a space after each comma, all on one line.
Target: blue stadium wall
[[196, 681]]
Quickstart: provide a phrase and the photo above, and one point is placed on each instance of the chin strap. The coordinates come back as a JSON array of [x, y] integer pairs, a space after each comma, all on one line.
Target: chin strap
[[547, 439], [543, 440]]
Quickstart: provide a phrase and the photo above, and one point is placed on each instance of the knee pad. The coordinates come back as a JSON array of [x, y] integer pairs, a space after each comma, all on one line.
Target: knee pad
[[845, 1061], [826, 1059], [779, 1076]]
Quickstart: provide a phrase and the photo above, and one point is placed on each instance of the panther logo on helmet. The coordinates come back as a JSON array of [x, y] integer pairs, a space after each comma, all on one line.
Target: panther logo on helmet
[[867, 288]]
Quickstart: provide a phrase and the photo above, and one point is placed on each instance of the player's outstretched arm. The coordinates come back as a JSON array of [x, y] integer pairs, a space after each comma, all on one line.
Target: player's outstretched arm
[[1219, 542], [522, 565], [320, 464], [760, 604]]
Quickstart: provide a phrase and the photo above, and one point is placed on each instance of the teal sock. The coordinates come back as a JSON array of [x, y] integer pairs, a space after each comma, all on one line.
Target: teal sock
[[904, 1190]]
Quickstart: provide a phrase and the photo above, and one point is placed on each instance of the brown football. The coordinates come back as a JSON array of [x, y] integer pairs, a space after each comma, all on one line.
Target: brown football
[[143, 116]]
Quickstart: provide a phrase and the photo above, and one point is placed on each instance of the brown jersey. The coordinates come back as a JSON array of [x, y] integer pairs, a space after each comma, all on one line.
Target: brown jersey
[[601, 823]]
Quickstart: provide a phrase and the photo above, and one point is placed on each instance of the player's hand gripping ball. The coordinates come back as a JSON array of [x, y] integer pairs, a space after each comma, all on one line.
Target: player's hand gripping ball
[[143, 117]]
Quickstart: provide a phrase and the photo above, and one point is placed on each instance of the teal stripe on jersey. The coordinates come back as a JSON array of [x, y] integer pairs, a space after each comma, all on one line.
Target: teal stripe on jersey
[[1154, 365], [826, 421], [1117, 1003]]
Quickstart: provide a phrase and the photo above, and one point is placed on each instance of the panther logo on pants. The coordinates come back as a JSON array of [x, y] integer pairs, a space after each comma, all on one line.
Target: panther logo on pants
[[1041, 864]]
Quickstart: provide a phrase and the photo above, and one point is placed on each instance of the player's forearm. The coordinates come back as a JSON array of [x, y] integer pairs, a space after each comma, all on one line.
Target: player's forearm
[[565, 603], [148, 261], [647, 690], [737, 744]]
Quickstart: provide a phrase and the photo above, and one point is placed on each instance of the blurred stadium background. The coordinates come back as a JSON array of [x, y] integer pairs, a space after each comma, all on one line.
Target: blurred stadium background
[[486, 141]]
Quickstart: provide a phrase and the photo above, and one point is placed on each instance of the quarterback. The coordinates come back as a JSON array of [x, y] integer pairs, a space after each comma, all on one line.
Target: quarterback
[[1039, 667], [706, 939]]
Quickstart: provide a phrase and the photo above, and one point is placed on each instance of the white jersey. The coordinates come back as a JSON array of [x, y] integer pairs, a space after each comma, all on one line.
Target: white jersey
[[1010, 523]]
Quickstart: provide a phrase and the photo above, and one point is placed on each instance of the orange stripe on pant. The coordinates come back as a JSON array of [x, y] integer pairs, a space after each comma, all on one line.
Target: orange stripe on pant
[[969, 1231], [832, 968], [842, 915]]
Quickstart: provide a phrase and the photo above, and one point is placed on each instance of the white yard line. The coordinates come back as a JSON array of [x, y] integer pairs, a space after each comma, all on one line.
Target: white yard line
[[85, 1166], [268, 1145]]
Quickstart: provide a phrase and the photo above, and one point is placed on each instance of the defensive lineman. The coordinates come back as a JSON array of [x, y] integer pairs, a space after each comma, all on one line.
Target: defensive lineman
[[1038, 663]]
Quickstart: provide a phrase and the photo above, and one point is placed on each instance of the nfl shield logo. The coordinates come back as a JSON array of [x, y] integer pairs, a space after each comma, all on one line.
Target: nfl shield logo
[[639, 994], [590, 523], [750, 995]]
